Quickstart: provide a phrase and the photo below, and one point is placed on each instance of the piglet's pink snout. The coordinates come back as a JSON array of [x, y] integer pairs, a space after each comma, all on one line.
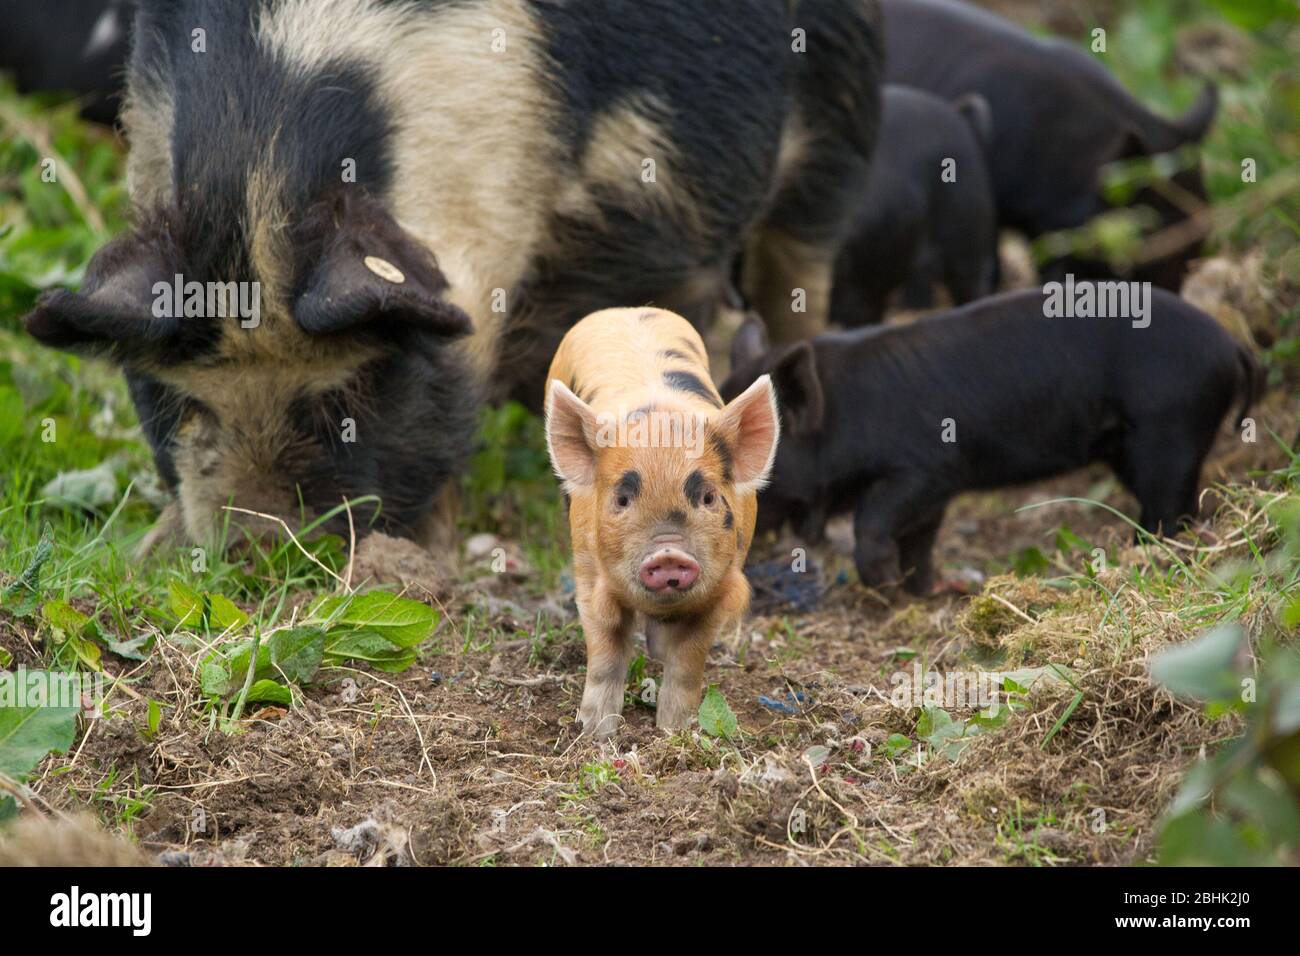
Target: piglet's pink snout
[[669, 569]]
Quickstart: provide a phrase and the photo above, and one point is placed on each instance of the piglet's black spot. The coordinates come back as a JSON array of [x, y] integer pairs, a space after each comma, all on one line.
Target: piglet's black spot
[[723, 451], [629, 484], [677, 517], [694, 488], [728, 519], [685, 381]]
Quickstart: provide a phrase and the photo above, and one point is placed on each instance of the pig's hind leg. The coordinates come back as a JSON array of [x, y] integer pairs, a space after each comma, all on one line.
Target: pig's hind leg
[[607, 630], [1163, 468], [916, 556], [882, 512]]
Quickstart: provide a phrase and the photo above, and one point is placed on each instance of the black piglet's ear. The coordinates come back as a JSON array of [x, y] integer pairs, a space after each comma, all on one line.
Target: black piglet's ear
[[372, 274], [799, 390], [113, 312], [750, 342]]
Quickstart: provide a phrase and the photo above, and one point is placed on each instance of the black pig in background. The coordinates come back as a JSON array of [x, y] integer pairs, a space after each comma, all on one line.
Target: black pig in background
[[1059, 116], [921, 220], [890, 423]]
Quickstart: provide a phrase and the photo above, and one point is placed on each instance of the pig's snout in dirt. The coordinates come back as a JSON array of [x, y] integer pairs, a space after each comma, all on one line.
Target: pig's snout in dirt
[[668, 569]]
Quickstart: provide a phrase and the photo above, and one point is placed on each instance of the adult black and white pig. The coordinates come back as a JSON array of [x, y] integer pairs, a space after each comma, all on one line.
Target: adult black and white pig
[[890, 423], [927, 214], [1059, 116], [418, 197]]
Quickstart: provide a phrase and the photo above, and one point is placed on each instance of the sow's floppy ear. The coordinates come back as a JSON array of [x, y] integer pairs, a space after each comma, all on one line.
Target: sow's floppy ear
[[113, 312], [370, 274], [751, 427], [570, 437], [799, 389]]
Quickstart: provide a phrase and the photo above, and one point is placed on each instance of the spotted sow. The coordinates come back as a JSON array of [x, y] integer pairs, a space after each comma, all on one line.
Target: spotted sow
[[661, 479], [422, 197]]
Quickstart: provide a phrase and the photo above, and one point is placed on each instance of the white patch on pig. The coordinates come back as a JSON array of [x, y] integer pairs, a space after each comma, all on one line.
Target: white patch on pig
[[477, 169], [623, 139], [148, 118]]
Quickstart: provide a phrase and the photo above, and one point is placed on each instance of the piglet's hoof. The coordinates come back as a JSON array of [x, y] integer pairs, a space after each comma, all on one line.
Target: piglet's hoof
[[599, 728]]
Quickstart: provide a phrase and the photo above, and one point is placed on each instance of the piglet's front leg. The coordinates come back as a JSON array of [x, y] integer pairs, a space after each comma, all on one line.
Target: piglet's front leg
[[684, 647], [607, 628]]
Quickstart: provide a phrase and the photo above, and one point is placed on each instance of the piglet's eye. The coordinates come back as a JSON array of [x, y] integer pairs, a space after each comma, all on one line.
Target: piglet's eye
[[709, 498], [623, 501]]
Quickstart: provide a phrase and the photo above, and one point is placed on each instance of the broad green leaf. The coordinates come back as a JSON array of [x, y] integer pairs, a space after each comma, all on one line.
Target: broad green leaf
[[136, 649], [1026, 680], [950, 737], [1204, 667], [1013, 686], [1195, 789], [297, 652], [223, 614], [214, 678], [1286, 710], [897, 744], [86, 652], [64, 618], [401, 620], [27, 734], [376, 649], [716, 716], [223, 673], [1197, 839], [269, 692], [1264, 802], [186, 604], [931, 721]]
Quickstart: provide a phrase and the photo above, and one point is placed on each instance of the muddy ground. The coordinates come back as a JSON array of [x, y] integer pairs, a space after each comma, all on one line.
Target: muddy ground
[[470, 757]]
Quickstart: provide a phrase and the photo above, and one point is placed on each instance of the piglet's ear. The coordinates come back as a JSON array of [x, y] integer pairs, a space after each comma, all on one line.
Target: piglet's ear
[[113, 311], [750, 427], [570, 436], [799, 390], [372, 274], [750, 342]]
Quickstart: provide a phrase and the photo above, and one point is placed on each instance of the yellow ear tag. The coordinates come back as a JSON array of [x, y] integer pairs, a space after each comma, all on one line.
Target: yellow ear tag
[[384, 269]]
